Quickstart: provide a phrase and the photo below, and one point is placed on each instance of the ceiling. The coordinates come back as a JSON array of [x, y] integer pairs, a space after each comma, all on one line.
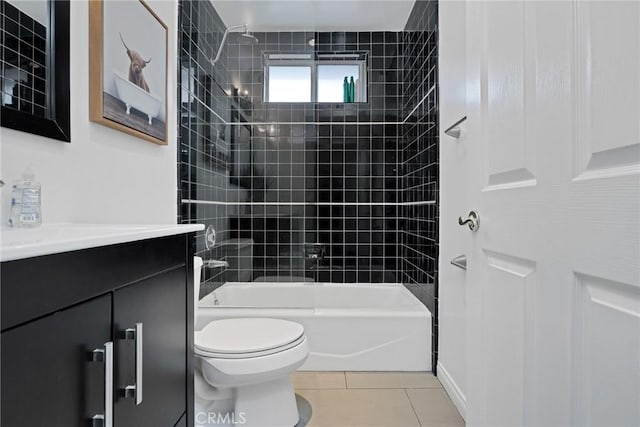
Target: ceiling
[[316, 15]]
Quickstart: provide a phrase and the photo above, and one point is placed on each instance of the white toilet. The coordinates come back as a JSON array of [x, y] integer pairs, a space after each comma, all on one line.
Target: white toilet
[[244, 367]]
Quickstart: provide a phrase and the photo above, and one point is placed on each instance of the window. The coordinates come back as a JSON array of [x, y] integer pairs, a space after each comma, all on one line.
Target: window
[[291, 77], [289, 83], [331, 80]]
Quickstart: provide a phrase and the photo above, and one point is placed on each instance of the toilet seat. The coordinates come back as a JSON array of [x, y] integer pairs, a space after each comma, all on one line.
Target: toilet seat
[[247, 337], [210, 354], [242, 370]]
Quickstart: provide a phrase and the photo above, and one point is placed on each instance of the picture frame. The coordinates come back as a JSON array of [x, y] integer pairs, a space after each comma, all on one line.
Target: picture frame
[[54, 120], [128, 67]]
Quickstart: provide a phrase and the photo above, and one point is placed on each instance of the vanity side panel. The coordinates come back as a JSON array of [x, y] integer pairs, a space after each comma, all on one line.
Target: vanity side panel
[[189, 249]]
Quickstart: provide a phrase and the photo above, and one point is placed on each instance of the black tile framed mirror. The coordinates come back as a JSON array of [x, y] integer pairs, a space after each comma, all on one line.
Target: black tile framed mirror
[[34, 67]]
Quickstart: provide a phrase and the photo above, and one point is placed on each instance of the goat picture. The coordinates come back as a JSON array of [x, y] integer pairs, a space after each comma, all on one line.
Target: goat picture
[[134, 70]]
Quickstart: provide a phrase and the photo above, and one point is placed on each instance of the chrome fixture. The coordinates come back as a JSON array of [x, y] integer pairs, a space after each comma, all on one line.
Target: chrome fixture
[[472, 220], [135, 390], [214, 263], [209, 243], [454, 130], [245, 36], [210, 237], [460, 262], [249, 38], [105, 356], [314, 252]]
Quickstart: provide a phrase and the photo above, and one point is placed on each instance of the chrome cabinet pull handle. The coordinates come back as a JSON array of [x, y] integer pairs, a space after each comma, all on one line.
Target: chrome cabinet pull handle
[[135, 390], [105, 356], [472, 220]]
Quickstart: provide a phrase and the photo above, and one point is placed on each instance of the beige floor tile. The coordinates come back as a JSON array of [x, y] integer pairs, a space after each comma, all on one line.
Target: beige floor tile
[[318, 380], [434, 408], [392, 380], [359, 408]]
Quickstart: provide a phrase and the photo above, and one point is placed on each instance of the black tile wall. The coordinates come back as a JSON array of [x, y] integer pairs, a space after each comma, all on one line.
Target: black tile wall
[[419, 159], [23, 64], [203, 162], [321, 173], [360, 179]]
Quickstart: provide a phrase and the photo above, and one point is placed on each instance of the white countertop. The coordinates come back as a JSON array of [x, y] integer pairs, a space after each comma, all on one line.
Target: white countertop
[[18, 243]]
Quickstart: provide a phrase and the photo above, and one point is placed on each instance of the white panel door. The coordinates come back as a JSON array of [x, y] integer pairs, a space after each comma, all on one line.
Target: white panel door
[[553, 281]]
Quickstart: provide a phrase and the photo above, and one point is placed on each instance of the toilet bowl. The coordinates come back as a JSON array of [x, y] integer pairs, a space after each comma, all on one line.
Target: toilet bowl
[[244, 367]]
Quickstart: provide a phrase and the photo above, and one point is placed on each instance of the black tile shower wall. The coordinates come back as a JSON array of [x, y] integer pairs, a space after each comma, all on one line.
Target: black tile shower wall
[[203, 158], [319, 173], [359, 179], [419, 159]]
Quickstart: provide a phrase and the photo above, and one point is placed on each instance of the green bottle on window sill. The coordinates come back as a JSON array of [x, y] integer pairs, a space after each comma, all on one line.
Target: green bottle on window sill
[[352, 90], [345, 90]]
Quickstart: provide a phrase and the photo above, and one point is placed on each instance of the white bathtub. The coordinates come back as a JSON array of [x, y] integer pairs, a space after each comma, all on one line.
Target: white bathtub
[[135, 97], [350, 327]]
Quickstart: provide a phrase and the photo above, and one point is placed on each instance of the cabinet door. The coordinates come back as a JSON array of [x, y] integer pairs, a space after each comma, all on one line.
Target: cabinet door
[[48, 378], [159, 304]]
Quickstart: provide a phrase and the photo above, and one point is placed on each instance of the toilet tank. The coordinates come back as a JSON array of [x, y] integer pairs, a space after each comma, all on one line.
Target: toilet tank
[[239, 255]]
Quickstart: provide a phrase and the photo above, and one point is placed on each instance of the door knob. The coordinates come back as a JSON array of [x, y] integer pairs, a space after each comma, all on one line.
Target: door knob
[[472, 220]]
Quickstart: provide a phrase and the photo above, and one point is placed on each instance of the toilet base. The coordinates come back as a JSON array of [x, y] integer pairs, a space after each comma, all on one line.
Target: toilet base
[[269, 404]]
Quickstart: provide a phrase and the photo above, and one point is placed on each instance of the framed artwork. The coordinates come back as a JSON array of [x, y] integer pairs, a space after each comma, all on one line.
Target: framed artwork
[[128, 69], [34, 76]]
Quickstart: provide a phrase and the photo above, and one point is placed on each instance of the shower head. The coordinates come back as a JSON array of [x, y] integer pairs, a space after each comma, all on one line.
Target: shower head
[[246, 38]]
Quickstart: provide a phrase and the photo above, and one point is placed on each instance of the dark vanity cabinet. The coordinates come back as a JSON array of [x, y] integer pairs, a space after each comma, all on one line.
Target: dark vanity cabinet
[[99, 336]]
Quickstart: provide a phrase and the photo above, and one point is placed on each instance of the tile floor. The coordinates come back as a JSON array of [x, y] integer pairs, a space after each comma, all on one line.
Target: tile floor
[[373, 399]]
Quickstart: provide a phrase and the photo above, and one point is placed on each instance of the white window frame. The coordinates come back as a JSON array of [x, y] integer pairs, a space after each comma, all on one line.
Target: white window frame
[[308, 60]]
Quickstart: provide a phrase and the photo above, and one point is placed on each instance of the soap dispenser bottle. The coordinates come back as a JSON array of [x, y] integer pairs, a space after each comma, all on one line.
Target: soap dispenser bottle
[[26, 202]]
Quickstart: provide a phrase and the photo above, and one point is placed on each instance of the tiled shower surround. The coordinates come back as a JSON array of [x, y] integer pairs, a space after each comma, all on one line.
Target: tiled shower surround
[[319, 173], [203, 162], [419, 160], [276, 178]]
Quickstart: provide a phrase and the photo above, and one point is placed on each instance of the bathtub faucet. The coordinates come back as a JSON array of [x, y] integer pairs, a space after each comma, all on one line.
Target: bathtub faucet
[[314, 252]]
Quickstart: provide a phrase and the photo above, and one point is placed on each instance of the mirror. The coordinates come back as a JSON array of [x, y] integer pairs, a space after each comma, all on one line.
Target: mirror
[[34, 67]]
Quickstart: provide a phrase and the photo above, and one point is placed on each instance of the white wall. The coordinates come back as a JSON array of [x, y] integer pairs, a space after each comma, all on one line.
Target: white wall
[[452, 348], [102, 176]]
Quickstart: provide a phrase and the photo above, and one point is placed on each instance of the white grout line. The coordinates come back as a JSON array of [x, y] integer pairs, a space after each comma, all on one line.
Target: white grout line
[[326, 123], [213, 202], [418, 105], [313, 123]]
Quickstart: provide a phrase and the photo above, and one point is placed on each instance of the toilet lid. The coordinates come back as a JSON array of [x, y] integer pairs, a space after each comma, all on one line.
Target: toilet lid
[[250, 335]]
